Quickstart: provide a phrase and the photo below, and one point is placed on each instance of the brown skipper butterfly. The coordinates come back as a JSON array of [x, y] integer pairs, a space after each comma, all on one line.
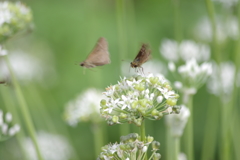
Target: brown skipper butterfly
[[99, 55], [142, 57]]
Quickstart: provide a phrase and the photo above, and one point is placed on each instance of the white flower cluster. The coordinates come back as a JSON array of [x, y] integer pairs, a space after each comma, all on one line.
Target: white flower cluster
[[191, 75], [177, 122], [186, 50], [221, 82], [225, 28], [84, 108], [52, 147], [14, 17], [7, 130], [27, 67], [227, 3], [129, 148], [136, 98]]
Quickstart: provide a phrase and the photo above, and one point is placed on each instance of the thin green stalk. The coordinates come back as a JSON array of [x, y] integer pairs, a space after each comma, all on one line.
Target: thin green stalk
[[177, 21], [11, 107], [121, 17], [143, 135], [98, 137], [211, 14], [189, 131], [169, 144], [24, 110], [176, 147], [225, 141], [210, 130]]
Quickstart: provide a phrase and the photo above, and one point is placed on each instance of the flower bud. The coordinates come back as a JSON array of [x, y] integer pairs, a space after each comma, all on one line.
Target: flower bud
[[115, 119], [150, 139], [156, 156], [171, 102], [155, 145], [155, 112]]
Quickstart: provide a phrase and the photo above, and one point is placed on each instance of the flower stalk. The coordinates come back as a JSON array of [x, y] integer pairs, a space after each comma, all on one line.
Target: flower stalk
[[24, 109], [189, 130]]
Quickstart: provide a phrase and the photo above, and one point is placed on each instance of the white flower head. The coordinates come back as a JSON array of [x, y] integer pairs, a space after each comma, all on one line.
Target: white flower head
[[7, 129], [221, 82], [177, 122], [169, 50], [84, 108], [194, 75], [52, 146], [130, 146], [136, 98]]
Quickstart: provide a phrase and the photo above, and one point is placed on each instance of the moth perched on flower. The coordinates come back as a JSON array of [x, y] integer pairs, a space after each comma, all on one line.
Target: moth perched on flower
[[142, 57], [134, 99]]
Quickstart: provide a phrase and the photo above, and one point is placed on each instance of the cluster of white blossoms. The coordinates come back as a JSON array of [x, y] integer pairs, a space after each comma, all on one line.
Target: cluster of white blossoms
[[173, 51], [84, 108], [177, 122], [227, 3], [52, 147], [191, 76], [225, 28], [221, 82], [27, 67], [7, 130], [137, 98], [129, 148], [14, 17]]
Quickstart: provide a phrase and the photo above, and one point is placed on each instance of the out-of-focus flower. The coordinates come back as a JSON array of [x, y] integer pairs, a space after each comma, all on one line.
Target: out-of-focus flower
[[7, 130], [226, 3], [84, 108], [130, 147], [52, 147], [182, 156], [190, 77], [136, 98], [186, 50], [177, 122], [27, 68], [225, 28], [152, 66], [14, 17], [222, 79]]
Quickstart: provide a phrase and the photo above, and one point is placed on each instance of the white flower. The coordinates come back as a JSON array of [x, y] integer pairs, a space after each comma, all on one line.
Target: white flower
[[136, 97], [221, 82], [186, 50], [178, 84], [13, 130], [182, 156], [52, 147], [177, 122], [169, 50], [8, 117], [85, 107], [225, 28], [5, 14], [171, 66]]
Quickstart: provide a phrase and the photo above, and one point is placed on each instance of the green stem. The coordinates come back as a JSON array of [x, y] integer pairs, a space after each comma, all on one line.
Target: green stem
[[189, 131], [210, 130], [177, 21], [225, 141], [176, 147], [211, 14], [98, 137], [24, 109], [169, 144], [120, 12], [143, 135]]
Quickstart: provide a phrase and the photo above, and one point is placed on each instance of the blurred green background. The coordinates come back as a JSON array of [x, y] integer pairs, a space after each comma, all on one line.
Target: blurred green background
[[66, 31]]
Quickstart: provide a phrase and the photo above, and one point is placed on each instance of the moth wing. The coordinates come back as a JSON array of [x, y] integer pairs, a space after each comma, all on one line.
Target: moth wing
[[143, 55], [99, 55]]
